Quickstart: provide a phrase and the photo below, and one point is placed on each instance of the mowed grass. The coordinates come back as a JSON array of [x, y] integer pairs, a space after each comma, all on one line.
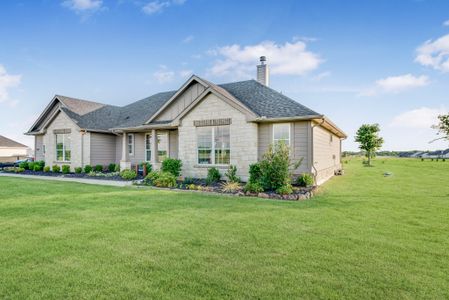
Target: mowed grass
[[365, 236]]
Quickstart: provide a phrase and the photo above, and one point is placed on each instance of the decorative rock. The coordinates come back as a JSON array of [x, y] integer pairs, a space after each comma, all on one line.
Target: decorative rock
[[302, 197], [263, 195], [240, 194]]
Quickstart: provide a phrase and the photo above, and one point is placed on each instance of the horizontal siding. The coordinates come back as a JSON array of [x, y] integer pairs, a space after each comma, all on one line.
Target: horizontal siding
[[327, 153], [139, 149], [102, 149], [301, 142]]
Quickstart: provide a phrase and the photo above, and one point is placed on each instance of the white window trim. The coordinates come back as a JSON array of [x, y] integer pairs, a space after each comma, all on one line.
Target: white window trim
[[148, 135], [289, 132], [63, 148], [212, 158], [132, 144]]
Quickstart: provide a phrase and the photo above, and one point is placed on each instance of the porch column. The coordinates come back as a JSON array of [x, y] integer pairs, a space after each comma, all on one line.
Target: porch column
[[124, 163], [153, 147]]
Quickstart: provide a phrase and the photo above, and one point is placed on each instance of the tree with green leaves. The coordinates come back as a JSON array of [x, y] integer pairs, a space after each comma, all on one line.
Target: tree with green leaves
[[370, 141], [443, 127]]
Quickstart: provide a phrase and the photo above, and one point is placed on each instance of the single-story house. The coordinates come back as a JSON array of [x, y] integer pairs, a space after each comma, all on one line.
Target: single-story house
[[11, 151], [203, 124]]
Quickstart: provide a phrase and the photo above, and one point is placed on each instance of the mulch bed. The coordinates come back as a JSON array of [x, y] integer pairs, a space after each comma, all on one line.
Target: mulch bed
[[71, 175]]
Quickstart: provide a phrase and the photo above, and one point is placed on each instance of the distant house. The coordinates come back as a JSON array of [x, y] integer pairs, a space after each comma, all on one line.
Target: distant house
[[203, 124], [11, 151]]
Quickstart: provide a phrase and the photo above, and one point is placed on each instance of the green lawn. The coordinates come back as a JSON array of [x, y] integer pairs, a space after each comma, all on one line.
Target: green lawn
[[364, 236]]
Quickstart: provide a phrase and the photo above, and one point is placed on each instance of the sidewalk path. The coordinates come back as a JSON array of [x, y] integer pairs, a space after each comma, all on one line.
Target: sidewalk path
[[79, 180]]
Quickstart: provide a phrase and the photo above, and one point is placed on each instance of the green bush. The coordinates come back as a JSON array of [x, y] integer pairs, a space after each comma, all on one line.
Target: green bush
[[37, 167], [253, 187], [41, 163], [231, 174], [305, 180], [128, 174], [20, 170], [65, 169], [149, 166], [98, 168], [165, 179], [31, 165], [172, 165], [78, 170], [151, 177], [47, 169], [111, 167], [87, 169], [117, 168], [285, 189], [254, 173], [213, 176], [23, 165], [189, 180], [274, 167], [56, 169]]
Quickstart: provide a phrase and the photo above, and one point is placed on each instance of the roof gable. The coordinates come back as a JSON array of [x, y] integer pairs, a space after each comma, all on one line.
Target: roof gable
[[8, 143]]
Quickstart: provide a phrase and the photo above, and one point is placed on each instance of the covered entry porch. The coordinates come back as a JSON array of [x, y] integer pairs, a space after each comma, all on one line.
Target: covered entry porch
[[148, 144]]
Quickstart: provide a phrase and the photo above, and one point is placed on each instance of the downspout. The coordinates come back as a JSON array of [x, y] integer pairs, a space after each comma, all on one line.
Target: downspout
[[315, 174], [83, 132]]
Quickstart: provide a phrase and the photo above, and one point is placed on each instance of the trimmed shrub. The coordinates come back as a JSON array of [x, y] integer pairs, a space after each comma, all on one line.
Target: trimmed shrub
[[128, 174], [253, 187], [56, 169], [151, 177], [78, 170], [98, 168], [117, 168], [255, 174], [189, 180], [37, 167], [31, 165], [165, 179], [111, 167], [305, 180], [213, 176], [65, 169], [231, 174], [172, 165], [285, 189], [47, 169], [87, 169], [274, 167], [41, 163], [23, 165]]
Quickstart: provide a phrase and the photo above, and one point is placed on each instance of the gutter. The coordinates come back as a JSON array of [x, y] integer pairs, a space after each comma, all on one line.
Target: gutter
[[286, 119]]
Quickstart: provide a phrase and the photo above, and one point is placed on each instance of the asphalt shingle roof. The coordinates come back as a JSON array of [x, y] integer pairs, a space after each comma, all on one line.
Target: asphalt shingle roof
[[262, 100], [5, 142]]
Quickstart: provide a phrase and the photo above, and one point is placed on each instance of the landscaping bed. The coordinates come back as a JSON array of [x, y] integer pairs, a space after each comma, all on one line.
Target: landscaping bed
[[115, 176]]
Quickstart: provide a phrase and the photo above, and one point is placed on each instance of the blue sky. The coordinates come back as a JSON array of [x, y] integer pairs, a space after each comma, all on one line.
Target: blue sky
[[357, 62]]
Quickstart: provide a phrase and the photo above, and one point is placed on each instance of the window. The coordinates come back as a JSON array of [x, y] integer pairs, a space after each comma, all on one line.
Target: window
[[63, 147], [130, 144], [214, 145], [281, 133], [148, 147], [162, 146]]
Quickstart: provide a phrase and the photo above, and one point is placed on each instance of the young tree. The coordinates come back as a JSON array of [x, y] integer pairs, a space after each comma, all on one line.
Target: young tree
[[368, 138], [443, 127]]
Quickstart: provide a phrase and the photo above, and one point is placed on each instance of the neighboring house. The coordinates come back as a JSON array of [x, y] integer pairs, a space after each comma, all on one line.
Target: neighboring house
[[11, 151], [201, 123], [445, 153]]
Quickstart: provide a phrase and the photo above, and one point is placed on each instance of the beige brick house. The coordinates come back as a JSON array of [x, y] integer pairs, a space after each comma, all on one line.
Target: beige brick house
[[201, 123]]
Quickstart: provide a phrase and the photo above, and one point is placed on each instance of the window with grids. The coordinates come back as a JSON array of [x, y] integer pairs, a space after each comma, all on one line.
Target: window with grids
[[130, 144], [162, 146], [63, 147], [281, 133], [148, 147], [214, 145]]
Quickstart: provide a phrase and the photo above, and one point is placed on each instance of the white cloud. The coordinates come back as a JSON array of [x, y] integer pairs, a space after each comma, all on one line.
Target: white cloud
[[435, 54], [287, 59], [83, 5], [188, 39], [164, 75], [396, 84], [185, 73], [446, 23], [155, 7], [400, 83], [421, 118], [7, 82]]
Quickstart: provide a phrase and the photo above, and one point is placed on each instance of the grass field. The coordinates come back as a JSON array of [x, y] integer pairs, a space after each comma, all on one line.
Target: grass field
[[365, 236]]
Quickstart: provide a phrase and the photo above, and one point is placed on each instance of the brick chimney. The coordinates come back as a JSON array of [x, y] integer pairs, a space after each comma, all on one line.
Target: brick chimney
[[263, 74]]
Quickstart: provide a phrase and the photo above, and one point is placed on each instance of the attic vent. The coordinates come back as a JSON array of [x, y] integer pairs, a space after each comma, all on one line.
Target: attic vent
[[214, 122]]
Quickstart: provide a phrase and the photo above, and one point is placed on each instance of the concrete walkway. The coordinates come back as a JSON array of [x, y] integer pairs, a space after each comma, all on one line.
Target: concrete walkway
[[67, 179]]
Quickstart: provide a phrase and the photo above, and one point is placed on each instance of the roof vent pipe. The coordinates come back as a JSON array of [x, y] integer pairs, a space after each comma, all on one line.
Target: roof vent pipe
[[263, 74]]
